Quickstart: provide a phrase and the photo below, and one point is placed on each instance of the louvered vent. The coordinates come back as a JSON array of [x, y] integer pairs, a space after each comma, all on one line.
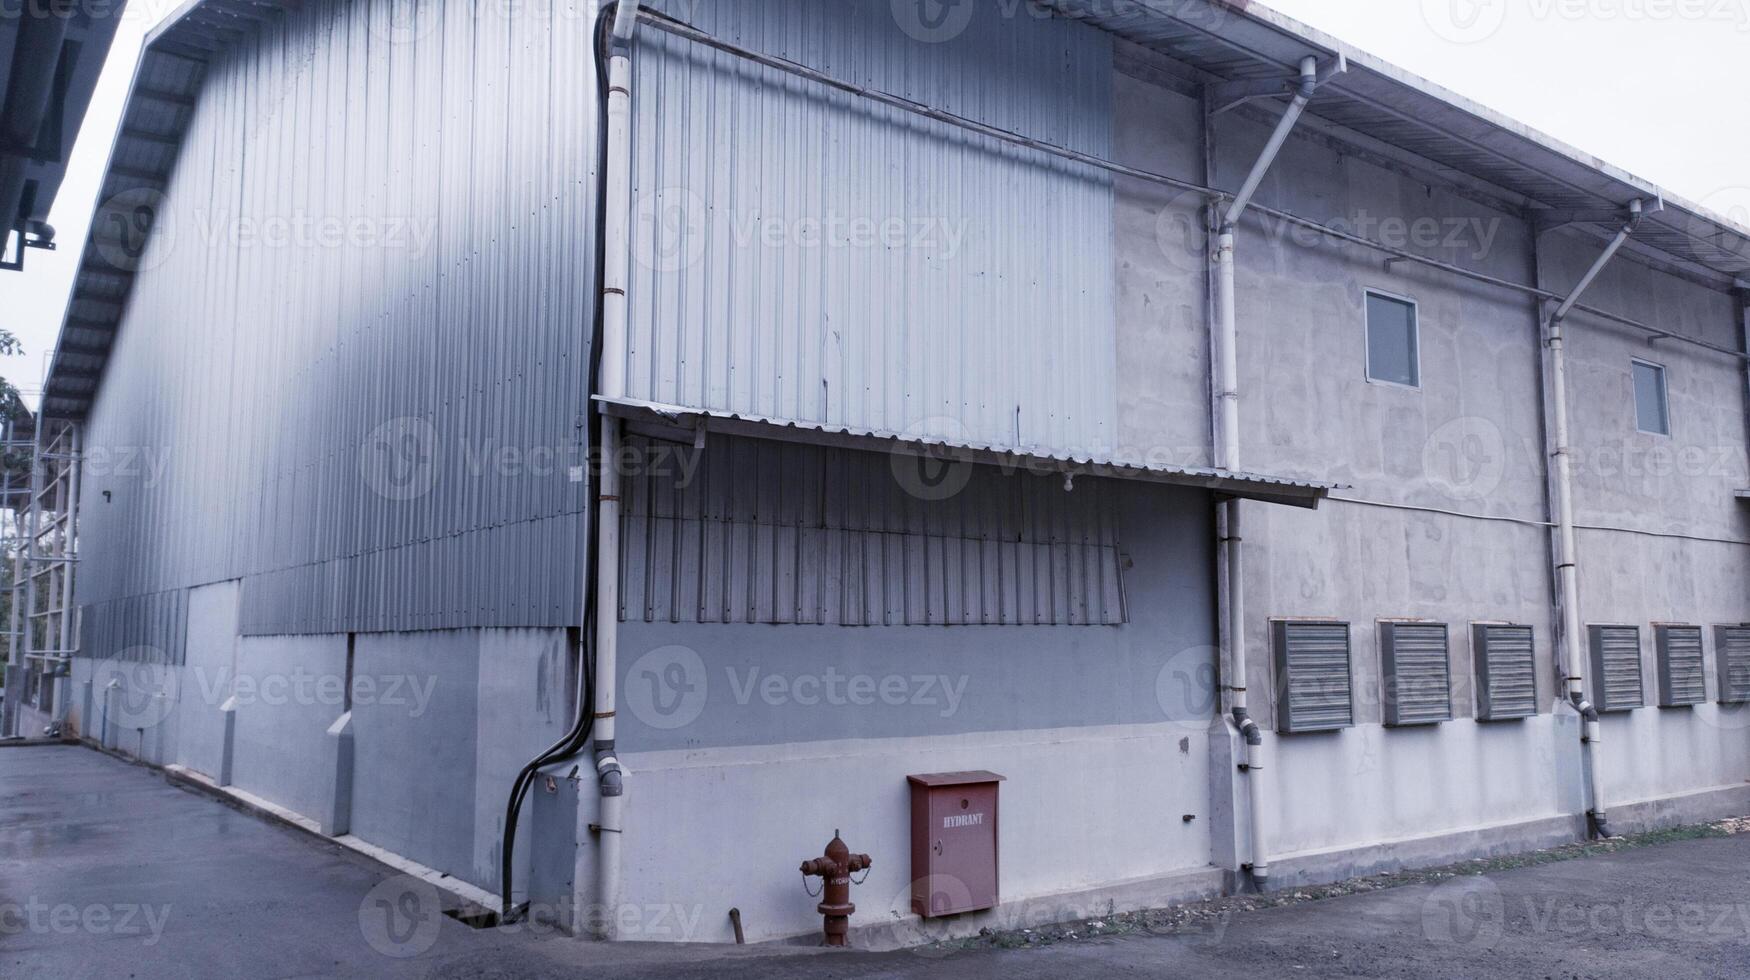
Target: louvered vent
[[1616, 668], [1312, 677], [1682, 677], [1418, 673], [1732, 650], [1506, 668]]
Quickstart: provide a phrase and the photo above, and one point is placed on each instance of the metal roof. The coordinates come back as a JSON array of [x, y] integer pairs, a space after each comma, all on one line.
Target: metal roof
[[679, 423], [1219, 40], [50, 60], [1235, 40]]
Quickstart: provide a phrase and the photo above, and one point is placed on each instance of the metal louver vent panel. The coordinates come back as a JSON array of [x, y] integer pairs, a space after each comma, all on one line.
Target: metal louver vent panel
[[1506, 669], [1312, 677], [1616, 668], [1682, 676], [1417, 673], [1732, 650]]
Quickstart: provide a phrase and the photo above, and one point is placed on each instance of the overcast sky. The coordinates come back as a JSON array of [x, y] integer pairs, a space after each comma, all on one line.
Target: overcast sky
[[1657, 87]]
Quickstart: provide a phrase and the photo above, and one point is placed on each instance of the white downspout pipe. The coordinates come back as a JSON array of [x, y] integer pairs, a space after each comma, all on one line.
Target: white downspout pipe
[[1228, 458], [1567, 558], [616, 264]]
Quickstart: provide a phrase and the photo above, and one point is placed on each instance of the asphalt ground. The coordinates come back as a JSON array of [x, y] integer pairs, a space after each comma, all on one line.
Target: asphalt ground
[[108, 869]]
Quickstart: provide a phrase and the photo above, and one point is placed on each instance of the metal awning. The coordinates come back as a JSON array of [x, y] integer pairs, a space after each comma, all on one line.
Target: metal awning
[[679, 424]]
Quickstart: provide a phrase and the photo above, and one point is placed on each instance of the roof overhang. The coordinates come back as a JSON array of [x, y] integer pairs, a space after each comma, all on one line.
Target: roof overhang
[[51, 56], [1238, 41], [689, 425], [1215, 41]]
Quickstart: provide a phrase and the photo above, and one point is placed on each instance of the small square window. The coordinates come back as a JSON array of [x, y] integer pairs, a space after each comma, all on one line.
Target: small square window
[[1652, 404], [1394, 351]]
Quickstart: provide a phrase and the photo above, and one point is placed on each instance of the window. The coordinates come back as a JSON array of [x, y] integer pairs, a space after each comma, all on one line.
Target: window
[[1312, 676], [1681, 669], [1616, 668], [1417, 673], [1652, 404], [1394, 351], [1506, 668]]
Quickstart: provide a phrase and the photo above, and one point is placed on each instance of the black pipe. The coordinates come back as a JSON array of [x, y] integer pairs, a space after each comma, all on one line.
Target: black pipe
[[584, 724]]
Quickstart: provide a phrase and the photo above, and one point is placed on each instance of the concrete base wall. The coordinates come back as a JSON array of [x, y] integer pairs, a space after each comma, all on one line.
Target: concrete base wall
[[1372, 784], [1081, 810]]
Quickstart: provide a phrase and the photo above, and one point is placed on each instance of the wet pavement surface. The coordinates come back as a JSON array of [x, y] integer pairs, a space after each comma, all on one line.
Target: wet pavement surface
[[109, 870]]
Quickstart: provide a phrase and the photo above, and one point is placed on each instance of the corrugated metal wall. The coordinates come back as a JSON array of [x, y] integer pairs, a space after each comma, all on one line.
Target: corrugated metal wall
[[766, 532], [768, 279], [369, 420], [352, 371]]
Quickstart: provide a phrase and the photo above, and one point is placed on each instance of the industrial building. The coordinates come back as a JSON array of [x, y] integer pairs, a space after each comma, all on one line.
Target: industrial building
[[1273, 467]]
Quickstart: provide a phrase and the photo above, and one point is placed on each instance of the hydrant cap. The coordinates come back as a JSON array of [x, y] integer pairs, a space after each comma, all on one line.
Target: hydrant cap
[[837, 851]]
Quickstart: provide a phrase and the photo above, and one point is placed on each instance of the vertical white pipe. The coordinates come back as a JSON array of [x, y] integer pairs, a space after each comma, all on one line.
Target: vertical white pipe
[[610, 776], [1227, 340], [617, 214], [1568, 556], [1228, 457], [617, 226], [1567, 564]]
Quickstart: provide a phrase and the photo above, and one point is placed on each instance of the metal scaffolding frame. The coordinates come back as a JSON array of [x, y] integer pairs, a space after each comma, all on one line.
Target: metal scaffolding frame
[[43, 624]]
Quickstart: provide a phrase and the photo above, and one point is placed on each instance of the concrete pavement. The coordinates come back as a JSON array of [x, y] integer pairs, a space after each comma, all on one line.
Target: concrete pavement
[[108, 870]]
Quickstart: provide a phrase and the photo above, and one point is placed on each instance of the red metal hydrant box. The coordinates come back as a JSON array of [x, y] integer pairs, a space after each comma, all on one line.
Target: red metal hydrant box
[[953, 842]]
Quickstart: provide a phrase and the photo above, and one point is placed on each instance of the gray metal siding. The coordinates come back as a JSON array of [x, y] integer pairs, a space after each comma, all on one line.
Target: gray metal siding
[[1313, 676], [372, 431], [782, 533], [1005, 339], [1732, 656], [149, 629], [1616, 668], [1682, 672], [1417, 670], [1506, 669]]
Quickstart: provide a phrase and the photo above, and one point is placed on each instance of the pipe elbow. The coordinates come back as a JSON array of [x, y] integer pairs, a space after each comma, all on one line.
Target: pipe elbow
[[1249, 729], [610, 777], [1587, 711]]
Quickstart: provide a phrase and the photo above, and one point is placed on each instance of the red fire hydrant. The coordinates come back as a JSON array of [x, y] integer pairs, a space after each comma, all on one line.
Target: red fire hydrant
[[835, 869]]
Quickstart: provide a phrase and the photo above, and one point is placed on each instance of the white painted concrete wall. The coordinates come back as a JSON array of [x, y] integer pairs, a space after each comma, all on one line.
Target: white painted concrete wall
[[713, 829]]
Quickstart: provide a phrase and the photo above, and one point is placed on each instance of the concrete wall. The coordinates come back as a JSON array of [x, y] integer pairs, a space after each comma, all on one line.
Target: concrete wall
[[1677, 485], [1445, 490], [730, 731]]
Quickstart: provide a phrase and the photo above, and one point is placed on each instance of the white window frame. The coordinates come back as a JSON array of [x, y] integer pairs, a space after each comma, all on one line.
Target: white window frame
[[1367, 337], [1664, 395]]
